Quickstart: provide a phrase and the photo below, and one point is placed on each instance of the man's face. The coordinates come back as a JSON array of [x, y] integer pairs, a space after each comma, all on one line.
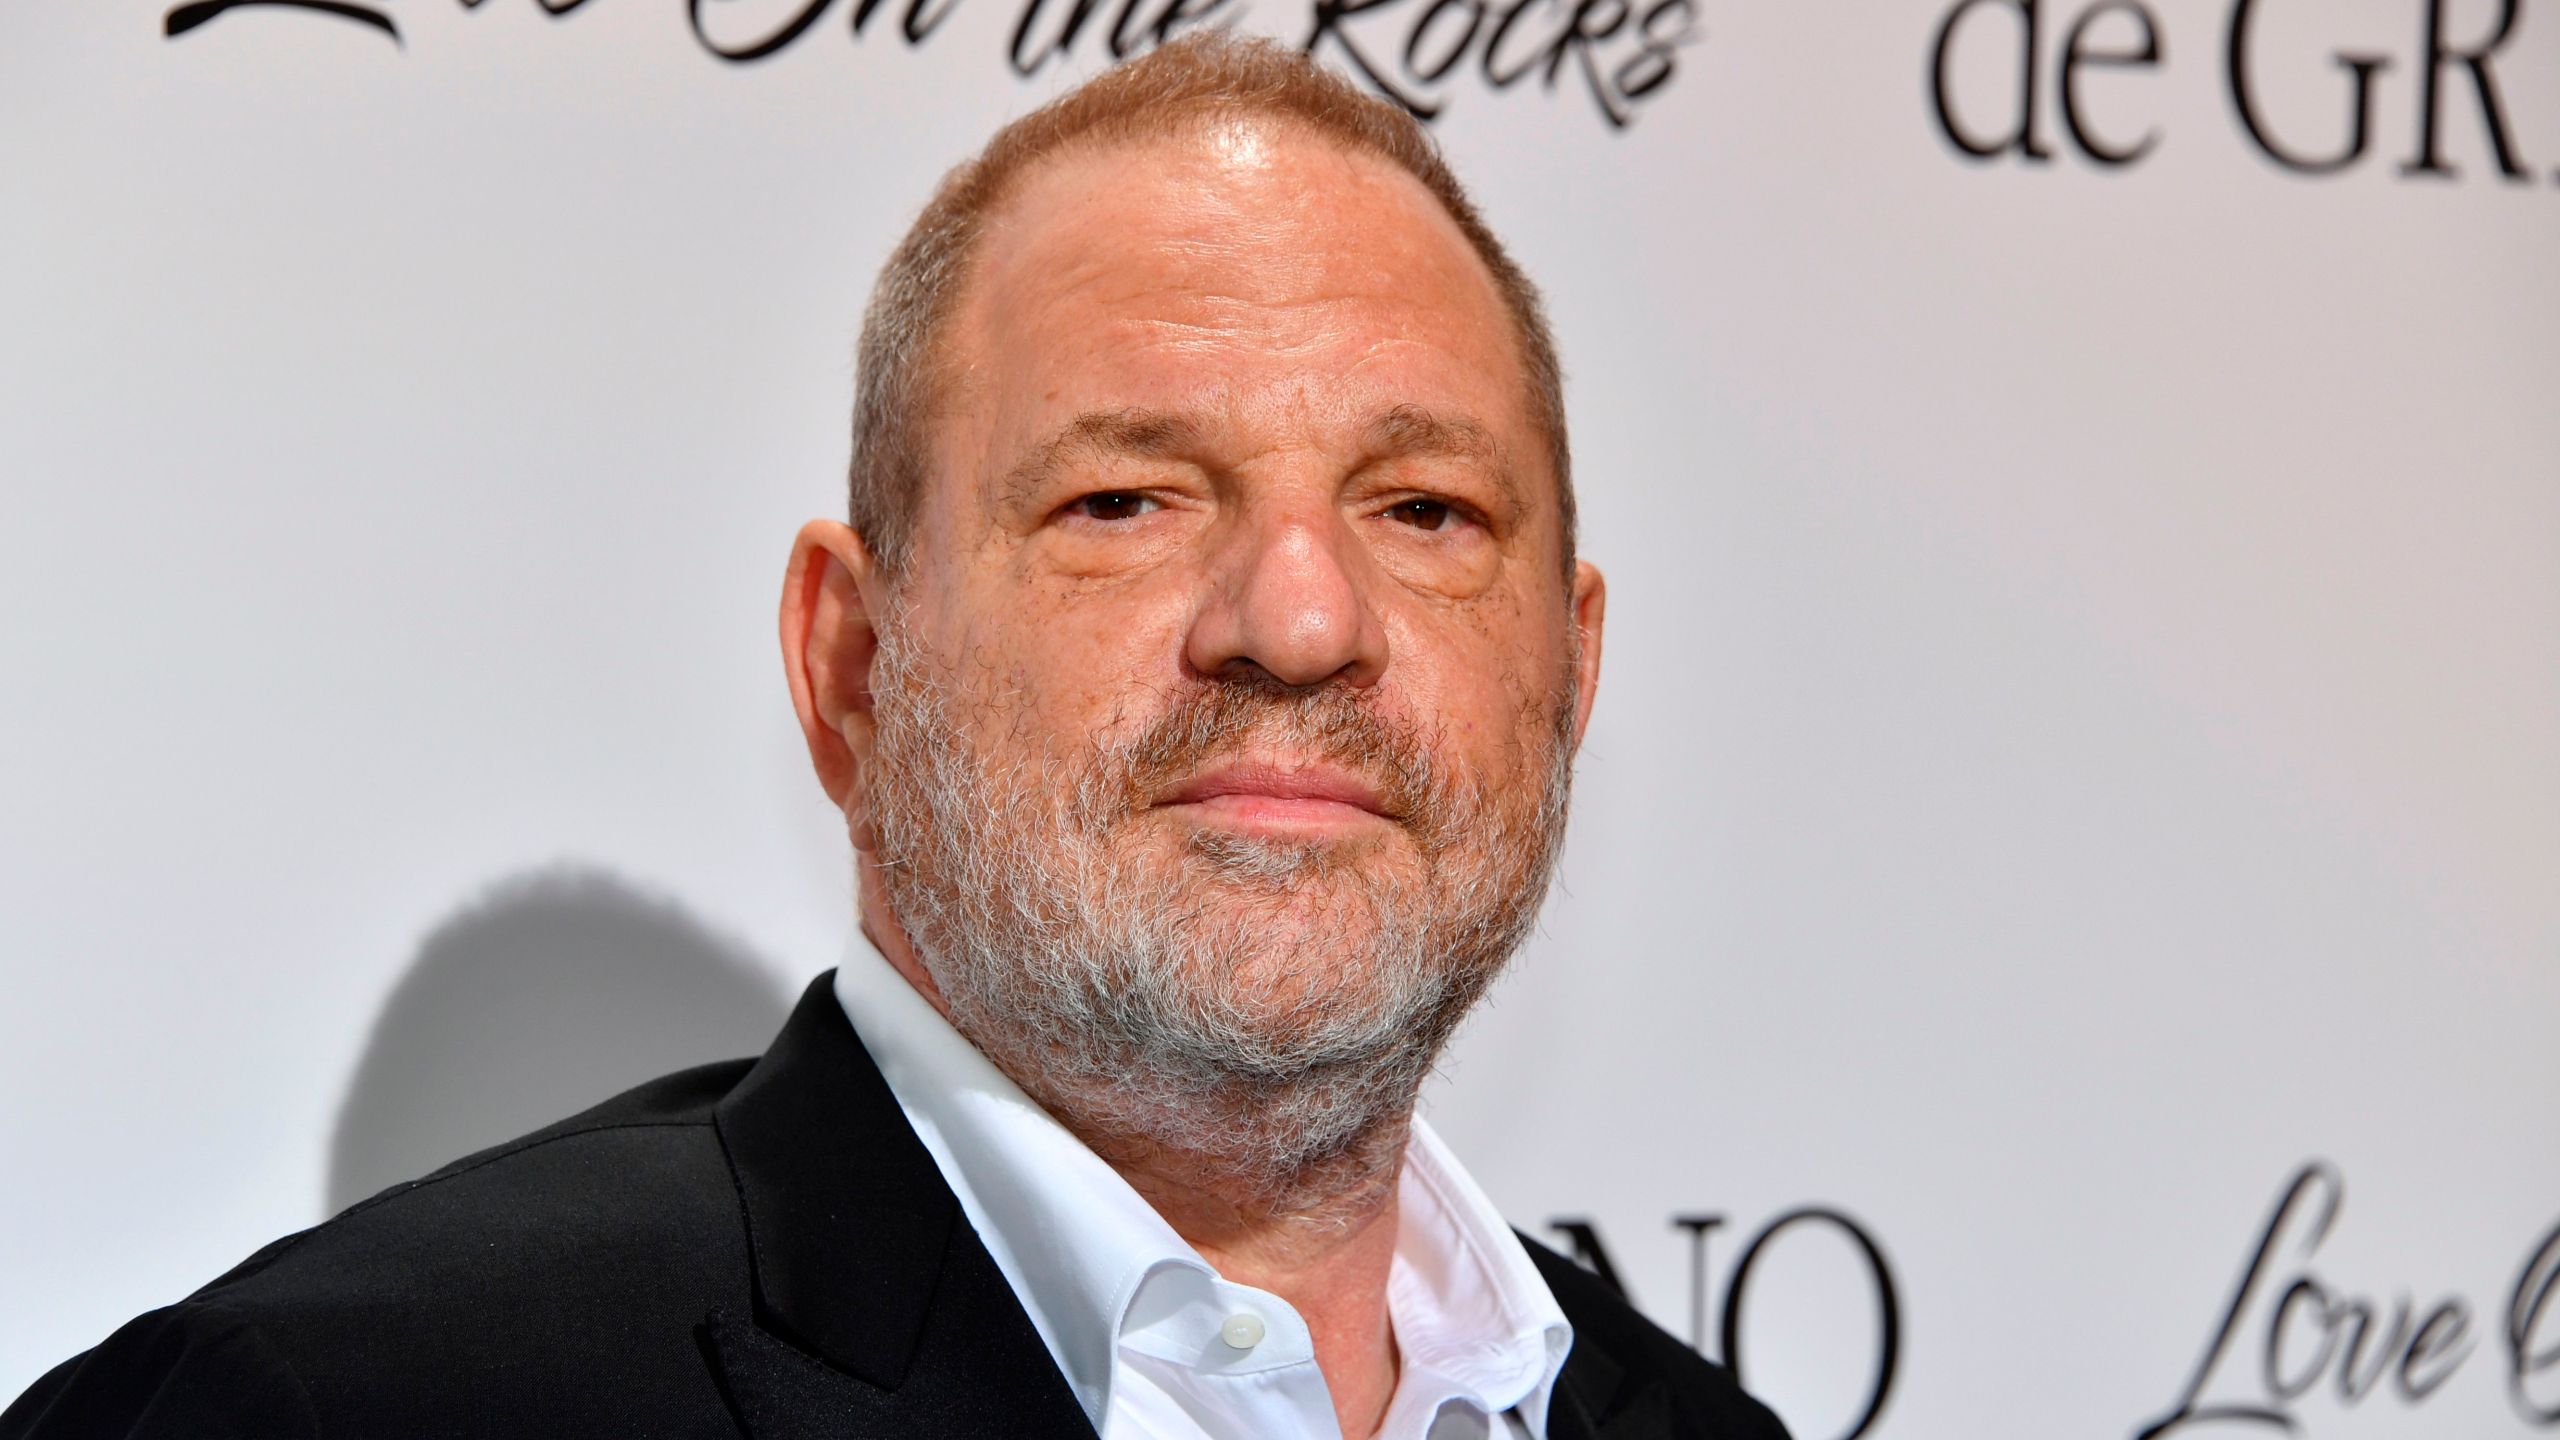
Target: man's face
[[1237, 600]]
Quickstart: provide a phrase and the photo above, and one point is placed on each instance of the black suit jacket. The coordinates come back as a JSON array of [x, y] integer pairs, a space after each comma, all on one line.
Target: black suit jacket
[[754, 1248]]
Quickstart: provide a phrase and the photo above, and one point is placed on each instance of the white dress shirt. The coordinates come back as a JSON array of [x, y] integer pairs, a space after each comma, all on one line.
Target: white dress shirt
[[1153, 1342]]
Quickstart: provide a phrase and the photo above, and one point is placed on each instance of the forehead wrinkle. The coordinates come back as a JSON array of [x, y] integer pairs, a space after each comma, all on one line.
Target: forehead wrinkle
[[1220, 336], [1287, 313]]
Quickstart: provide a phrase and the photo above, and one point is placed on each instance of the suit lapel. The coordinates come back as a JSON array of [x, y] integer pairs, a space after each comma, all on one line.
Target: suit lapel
[[1588, 1403], [876, 1311], [1596, 1396]]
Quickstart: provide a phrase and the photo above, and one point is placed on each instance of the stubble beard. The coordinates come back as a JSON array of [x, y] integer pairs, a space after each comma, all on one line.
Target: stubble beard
[[1257, 1009]]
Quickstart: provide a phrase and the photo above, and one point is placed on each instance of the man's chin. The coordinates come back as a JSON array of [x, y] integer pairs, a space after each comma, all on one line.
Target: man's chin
[[1295, 1010], [1291, 860]]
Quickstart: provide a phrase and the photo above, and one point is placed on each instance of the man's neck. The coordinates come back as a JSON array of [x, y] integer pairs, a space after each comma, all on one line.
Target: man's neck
[[1326, 1247], [1331, 1266]]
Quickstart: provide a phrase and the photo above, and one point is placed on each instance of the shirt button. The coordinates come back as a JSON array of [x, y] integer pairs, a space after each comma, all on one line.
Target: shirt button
[[1242, 1331]]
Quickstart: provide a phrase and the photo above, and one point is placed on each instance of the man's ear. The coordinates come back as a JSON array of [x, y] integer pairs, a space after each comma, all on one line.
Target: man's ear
[[829, 639], [1590, 608]]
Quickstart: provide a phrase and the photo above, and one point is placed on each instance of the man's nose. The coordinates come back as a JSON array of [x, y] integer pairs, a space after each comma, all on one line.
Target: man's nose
[[1289, 593]]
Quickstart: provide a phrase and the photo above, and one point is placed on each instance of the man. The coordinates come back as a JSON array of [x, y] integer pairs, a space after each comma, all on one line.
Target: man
[[1199, 679]]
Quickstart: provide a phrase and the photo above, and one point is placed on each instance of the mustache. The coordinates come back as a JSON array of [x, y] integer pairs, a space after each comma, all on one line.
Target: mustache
[[1329, 724]]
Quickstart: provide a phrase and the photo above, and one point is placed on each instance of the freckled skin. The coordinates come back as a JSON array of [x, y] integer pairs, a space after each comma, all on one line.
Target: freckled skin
[[1285, 292]]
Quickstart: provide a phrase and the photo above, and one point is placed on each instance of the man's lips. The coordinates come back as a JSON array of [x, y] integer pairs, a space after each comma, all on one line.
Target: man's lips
[[1256, 794]]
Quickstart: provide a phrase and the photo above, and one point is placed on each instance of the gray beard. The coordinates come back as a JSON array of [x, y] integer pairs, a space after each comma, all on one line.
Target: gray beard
[[1266, 1009]]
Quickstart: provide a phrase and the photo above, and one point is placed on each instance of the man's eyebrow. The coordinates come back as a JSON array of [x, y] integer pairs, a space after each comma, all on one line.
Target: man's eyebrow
[[1413, 430], [1404, 430], [1100, 435]]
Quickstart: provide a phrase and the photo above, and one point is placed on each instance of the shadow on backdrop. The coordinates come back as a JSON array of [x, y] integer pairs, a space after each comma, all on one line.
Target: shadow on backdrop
[[551, 991]]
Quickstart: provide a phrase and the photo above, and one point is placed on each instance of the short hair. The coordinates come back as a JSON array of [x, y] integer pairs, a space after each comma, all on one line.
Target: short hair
[[1175, 90]]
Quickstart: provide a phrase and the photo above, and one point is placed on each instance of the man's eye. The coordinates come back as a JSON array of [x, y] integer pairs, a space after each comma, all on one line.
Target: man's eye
[[1424, 514], [1114, 505]]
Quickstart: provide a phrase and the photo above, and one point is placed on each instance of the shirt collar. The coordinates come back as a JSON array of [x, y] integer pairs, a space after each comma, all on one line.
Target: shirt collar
[[1472, 1314]]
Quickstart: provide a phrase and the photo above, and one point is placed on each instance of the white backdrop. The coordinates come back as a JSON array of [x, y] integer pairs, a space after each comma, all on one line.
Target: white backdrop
[[2080, 741]]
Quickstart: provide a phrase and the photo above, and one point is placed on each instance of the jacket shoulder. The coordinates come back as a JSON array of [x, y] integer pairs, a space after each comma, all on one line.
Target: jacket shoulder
[[566, 1268], [188, 1371], [685, 1098], [1693, 1397], [634, 1156]]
